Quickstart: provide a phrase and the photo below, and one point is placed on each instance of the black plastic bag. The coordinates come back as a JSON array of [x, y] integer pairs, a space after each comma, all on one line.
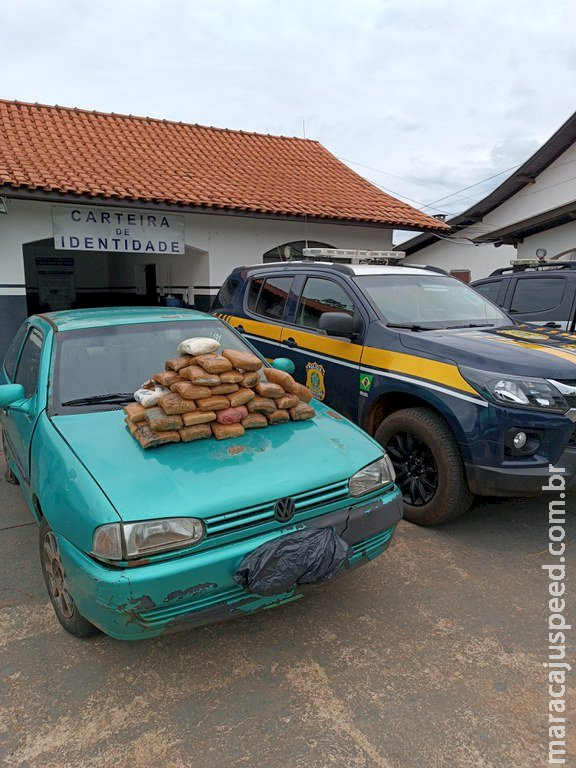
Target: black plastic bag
[[303, 557]]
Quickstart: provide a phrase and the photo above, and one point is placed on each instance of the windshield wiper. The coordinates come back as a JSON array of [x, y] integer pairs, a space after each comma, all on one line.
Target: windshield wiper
[[111, 398], [469, 325], [411, 326]]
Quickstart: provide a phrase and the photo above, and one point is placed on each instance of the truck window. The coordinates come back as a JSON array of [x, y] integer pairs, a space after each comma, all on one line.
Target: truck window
[[538, 294], [489, 290], [28, 365], [268, 296], [319, 296]]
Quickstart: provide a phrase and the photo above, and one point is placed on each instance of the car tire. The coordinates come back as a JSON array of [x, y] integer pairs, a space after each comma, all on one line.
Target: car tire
[[57, 585], [429, 468]]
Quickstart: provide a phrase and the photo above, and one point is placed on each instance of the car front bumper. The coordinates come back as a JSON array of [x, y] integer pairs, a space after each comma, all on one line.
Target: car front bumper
[[198, 588], [521, 480]]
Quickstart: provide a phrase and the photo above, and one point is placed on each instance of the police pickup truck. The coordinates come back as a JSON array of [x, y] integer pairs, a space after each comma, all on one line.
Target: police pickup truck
[[465, 400]]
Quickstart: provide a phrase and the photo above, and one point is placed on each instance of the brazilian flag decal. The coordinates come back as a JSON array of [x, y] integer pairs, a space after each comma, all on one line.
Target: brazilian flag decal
[[366, 382]]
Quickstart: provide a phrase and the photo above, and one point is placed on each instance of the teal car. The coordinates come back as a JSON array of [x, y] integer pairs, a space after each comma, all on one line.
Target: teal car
[[137, 543]]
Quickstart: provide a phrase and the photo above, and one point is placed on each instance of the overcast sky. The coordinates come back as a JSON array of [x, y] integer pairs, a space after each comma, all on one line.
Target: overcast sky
[[423, 98]]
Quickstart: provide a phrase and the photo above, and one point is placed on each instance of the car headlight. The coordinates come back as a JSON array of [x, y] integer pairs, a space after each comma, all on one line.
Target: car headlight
[[128, 541], [372, 477], [516, 391]]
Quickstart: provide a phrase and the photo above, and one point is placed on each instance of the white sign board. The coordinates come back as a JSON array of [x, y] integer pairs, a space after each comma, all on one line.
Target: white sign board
[[85, 228]]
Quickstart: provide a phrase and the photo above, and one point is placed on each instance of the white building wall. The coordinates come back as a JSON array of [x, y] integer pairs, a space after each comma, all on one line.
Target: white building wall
[[215, 244], [557, 242], [481, 260], [553, 188]]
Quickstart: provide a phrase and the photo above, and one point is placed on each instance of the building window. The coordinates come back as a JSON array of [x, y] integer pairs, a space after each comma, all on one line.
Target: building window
[[291, 251]]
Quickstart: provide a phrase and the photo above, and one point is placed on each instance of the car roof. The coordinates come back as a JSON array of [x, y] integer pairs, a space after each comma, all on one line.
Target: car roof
[[350, 269], [76, 319]]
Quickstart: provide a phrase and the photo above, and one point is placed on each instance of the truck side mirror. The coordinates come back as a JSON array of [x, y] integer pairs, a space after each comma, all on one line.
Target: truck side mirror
[[337, 324]]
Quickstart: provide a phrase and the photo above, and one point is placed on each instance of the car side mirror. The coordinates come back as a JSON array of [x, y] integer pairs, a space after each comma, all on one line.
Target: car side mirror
[[14, 395], [337, 324], [284, 364]]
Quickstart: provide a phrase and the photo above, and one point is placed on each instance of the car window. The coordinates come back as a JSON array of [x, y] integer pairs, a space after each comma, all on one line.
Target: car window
[[319, 296], [13, 350], [29, 362], [226, 293], [538, 294], [435, 301], [268, 296], [99, 361], [489, 290]]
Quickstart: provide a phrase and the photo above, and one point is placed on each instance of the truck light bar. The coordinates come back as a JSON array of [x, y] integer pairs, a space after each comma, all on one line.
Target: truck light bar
[[525, 262], [352, 256]]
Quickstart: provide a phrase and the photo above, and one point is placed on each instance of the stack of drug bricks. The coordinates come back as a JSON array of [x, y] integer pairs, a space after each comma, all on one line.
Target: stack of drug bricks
[[215, 393]]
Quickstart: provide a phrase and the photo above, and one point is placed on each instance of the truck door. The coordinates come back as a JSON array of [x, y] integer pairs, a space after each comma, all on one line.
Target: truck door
[[18, 426], [329, 366], [541, 299], [267, 298]]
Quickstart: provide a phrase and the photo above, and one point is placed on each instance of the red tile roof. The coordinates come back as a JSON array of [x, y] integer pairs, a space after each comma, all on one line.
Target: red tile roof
[[76, 152]]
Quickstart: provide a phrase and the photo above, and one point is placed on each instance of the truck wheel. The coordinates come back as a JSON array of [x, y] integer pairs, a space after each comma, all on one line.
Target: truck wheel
[[58, 587], [429, 469]]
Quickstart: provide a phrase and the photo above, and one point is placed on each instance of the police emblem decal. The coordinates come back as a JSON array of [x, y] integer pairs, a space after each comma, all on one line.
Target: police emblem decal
[[315, 380]]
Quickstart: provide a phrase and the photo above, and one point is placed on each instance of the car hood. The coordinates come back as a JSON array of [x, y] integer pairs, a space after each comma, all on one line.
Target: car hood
[[210, 477], [525, 350]]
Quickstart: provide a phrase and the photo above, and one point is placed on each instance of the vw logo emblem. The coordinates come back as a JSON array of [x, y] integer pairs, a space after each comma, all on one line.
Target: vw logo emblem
[[284, 509]]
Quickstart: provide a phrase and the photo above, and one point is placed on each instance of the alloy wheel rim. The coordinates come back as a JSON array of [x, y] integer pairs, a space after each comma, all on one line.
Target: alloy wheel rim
[[416, 469], [57, 580]]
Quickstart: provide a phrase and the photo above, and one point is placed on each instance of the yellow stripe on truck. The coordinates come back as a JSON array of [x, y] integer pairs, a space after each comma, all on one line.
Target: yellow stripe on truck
[[413, 365], [266, 330], [395, 362], [324, 345]]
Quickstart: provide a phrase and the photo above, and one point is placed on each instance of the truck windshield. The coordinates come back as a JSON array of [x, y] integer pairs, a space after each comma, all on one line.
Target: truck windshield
[[99, 368], [429, 302]]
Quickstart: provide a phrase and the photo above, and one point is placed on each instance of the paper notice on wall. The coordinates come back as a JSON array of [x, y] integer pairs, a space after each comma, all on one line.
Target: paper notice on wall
[[56, 284]]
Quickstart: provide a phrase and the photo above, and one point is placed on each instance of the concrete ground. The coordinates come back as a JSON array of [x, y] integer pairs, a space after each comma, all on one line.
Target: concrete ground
[[429, 656]]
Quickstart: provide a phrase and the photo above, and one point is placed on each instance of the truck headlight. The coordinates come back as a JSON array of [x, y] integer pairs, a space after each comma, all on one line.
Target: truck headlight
[[128, 541], [516, 391], [374, 476]]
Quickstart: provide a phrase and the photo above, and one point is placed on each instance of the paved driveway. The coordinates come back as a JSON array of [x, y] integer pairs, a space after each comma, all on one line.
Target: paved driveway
[[430, 656]]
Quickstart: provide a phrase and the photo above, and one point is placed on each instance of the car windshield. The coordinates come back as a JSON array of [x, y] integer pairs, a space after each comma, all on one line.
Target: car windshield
[[429, 302], [108, 364]]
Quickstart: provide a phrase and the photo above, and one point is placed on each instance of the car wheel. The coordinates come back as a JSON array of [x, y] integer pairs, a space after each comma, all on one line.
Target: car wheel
[[429, 468], [10, 477], [58, 586]]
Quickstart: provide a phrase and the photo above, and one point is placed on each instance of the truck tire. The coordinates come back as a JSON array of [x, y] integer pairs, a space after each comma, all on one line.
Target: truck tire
[[429, 468], [57, 585]]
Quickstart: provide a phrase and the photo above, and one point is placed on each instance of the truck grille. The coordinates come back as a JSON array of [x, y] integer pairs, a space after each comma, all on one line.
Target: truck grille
[[230, 522], [570, 399]]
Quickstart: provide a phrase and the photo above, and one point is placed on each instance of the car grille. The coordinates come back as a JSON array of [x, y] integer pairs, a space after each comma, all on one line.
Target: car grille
[[238, 520]]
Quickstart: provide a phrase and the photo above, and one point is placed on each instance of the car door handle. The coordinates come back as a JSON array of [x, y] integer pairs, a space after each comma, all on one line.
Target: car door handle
[[290, 342]]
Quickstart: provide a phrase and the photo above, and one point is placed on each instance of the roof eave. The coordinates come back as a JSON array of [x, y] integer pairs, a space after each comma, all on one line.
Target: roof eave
[[24, 193]]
